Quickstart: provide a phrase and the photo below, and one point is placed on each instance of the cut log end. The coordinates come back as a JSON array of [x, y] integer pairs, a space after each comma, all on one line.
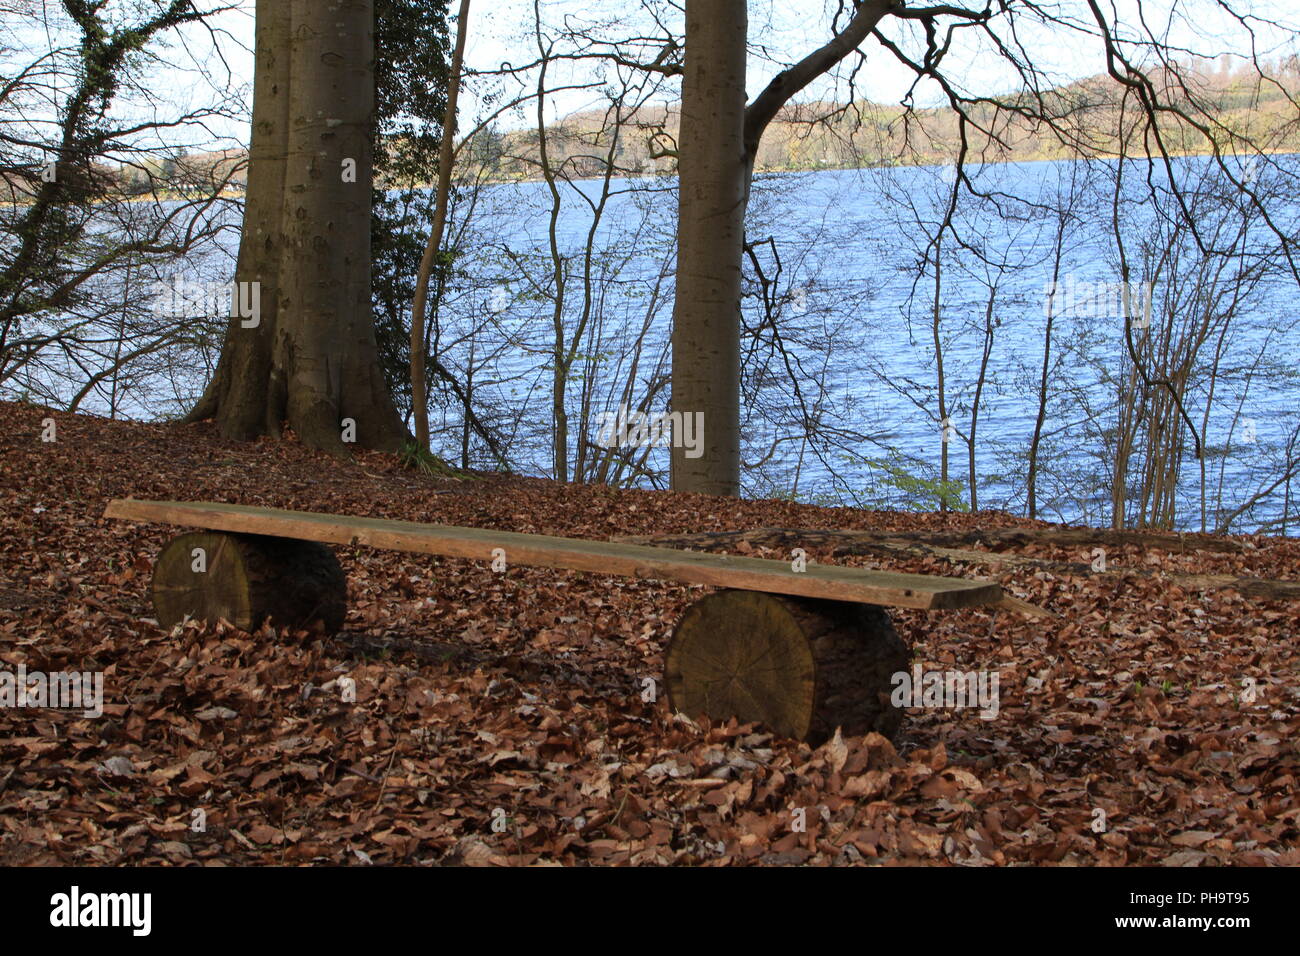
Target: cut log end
[[802, 667], [248, 580]]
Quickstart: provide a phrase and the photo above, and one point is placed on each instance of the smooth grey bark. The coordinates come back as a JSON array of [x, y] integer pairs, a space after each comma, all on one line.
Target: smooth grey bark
[[312, 361], [714, 182], [242, 412], [717, 146]]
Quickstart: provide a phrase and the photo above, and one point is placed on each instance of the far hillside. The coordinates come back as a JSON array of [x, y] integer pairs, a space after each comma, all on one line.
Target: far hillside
[[828, 135]]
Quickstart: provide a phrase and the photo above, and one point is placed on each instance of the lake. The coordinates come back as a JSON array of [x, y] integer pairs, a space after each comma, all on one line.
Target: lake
[[844, 333]]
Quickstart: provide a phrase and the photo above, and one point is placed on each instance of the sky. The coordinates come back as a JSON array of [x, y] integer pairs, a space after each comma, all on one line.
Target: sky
[[781, 31]]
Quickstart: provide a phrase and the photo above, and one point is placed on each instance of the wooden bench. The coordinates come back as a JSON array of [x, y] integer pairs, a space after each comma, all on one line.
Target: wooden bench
[[803, 651]]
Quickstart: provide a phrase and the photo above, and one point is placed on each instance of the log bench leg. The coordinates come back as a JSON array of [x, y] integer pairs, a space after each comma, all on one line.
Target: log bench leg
[[803, 667], [248, 579]]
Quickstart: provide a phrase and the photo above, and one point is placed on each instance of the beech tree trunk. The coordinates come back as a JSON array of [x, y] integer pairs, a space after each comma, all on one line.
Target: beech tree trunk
[[714, 187], [717, 147], [311, 361]]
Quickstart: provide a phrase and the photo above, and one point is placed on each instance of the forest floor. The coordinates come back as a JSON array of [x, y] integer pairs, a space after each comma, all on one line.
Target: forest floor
[[1146, 723]]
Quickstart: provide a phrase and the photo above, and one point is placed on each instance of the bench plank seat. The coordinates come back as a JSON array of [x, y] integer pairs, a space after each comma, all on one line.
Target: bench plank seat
[[822, 581]]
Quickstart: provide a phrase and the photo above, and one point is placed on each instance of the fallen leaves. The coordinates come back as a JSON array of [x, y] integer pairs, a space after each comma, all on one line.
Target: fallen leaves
[[502, 719]]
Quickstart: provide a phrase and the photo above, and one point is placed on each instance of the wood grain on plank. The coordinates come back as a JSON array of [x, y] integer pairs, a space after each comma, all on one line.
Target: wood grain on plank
[[601, 557]]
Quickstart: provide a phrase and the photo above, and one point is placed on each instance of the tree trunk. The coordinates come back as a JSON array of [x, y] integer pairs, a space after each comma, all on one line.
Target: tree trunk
[[248, 580], [1031, 485], [446, 157], [242, 412], [717, 146], [714, 186], [311, 361], [945, 425], [980, 381], [801, 667]]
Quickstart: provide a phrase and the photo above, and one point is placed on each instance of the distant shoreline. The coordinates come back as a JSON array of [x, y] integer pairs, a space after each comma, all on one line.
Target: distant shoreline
[[828, 167]]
